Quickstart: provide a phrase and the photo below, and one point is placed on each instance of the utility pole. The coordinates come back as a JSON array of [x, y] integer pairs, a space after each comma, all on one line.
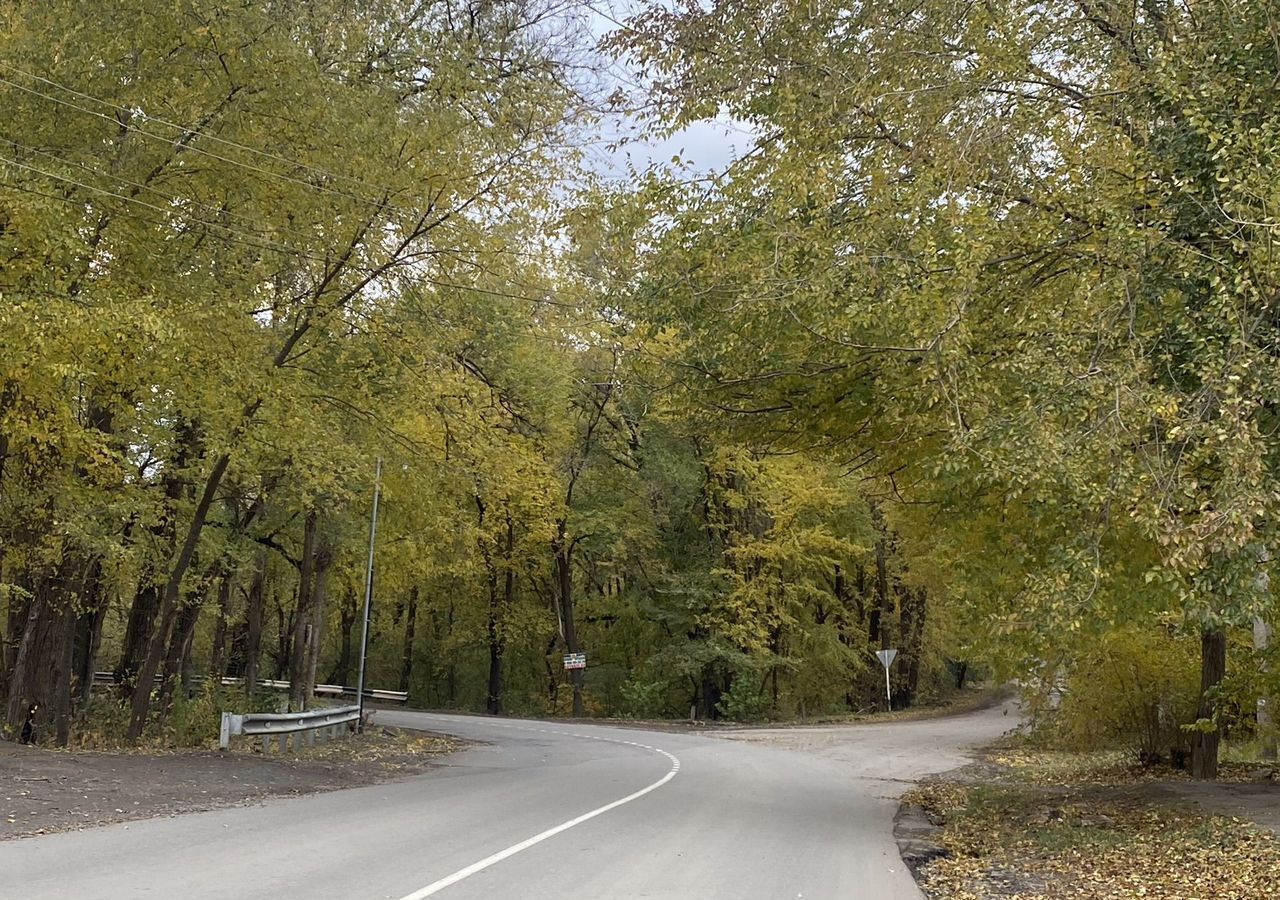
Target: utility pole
[[1261, 641], [368, 595]]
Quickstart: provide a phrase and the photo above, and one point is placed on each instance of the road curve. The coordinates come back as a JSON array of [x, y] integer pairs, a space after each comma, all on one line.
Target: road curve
[[543, 810]]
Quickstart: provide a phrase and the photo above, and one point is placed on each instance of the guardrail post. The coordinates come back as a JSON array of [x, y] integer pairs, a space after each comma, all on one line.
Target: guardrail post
[[277, 728]]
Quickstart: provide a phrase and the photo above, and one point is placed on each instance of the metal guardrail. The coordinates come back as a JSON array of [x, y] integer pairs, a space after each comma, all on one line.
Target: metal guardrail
[[106, 679], [337, 690], [326, 723]]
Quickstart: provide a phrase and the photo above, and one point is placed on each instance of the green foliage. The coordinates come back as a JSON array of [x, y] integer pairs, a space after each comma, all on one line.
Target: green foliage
[[1135, 689], [191, 722], [645, 699], [744, 702]]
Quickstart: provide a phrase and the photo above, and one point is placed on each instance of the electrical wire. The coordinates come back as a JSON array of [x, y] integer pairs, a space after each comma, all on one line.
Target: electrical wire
[[214, 138], [179, 203], [382, 202], [192, 148]]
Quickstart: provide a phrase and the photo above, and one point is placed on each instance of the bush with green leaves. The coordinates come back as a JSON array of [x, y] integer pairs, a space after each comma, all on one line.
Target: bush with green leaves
[[1133, 689]]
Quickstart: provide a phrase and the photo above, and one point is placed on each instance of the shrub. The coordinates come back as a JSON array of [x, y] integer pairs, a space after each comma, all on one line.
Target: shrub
[[1133, 689], [744, 701], [642, 698]]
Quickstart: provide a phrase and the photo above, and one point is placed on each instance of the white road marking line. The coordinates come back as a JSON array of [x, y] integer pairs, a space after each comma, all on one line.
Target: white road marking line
[[436, 886]]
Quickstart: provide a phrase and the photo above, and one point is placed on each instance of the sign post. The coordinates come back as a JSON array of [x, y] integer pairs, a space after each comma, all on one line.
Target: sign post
[[886, 659]]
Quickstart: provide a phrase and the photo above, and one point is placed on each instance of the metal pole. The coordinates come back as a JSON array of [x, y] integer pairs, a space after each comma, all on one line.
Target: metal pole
[[887, 695], [368, 596]]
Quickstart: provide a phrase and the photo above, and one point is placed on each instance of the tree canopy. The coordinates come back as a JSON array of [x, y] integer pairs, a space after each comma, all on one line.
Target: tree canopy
[[971, 353]]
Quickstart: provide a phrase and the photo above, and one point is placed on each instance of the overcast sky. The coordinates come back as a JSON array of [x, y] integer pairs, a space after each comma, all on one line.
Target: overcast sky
[[703, 146]]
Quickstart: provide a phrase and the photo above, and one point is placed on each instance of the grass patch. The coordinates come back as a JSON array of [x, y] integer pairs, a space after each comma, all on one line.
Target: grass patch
[[1063, 838]]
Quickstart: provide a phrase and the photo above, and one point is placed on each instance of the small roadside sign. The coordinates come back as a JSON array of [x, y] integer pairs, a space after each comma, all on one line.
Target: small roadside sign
[[575, 660], [886, 658]]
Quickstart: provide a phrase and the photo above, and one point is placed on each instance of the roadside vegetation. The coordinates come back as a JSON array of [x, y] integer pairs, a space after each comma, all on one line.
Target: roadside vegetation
[[1047, 826], [969, 352], [1094, 797], [1011, 842]]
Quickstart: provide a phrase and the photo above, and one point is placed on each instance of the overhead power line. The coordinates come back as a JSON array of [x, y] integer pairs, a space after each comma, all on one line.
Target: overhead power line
[[193, 148], [382, 201], [257, 151]]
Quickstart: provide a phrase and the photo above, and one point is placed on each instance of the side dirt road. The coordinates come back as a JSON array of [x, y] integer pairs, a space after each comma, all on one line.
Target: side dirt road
[[1023, 824], [43, 791]]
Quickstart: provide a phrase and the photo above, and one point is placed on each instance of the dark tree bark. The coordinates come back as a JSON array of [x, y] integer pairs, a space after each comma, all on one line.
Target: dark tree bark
[[302, 617], [879, 623], [406, 654], [1213, 668], [42, 663], [91, 611], [562, 555], [915, 639], [145, 612], [218, 655], [497, 645], [255, 608], [284, 639], [495, 625], [451, 670], [553, 674], [179, 648], [341, 674], [88, 634], [320, 599]]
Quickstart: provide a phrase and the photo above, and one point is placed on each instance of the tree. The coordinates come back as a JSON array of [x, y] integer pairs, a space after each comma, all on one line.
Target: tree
[[1026, 245], [204, 263]]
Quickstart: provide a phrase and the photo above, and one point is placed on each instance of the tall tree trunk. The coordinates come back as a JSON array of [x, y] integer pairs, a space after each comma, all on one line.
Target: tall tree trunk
[[141, 705], [562, 550], [302, 636], [184, 630], [255, 609], [880, 634], [41, 675], [15, 623], [915, 640], [1213, 668], [284, 640], [218, 656], [138, 631], [324, 562], [451, 670], [145, 612], [341, 674], [92, 609], [553, 675], [495, 626], [494, 633], [88, 634], [406, 655]]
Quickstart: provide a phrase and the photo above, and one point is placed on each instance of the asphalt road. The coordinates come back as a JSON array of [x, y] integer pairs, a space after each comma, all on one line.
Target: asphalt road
[[545, 810]]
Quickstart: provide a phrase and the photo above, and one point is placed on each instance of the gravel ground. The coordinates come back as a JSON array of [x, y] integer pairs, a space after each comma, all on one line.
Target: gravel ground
[[45, 790]]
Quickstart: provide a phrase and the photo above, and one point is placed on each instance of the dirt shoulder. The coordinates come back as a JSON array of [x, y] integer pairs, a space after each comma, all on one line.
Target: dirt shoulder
[[1048, 826], [44, 790], [956, 704]]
